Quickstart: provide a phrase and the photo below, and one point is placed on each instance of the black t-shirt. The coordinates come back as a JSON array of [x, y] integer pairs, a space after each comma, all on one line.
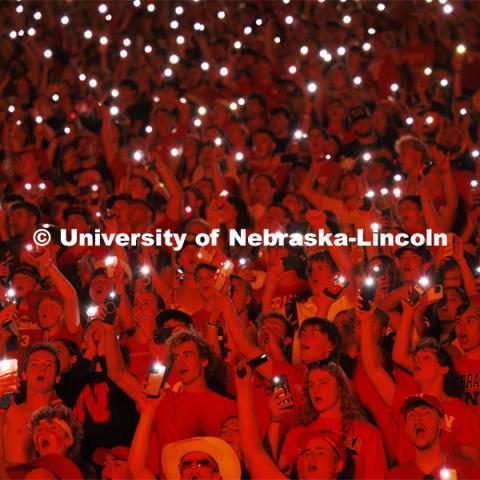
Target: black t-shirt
[[109, 416]]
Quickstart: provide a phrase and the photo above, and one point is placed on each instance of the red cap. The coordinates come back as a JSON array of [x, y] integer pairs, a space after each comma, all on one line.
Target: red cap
[[334, 439], [422, 399], [62, 467], [101, 453]]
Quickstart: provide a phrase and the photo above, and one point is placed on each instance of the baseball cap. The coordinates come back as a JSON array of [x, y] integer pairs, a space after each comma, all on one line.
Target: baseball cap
[[333, 438], [421, 251], [101, 453], [418, 399], [62, 467]]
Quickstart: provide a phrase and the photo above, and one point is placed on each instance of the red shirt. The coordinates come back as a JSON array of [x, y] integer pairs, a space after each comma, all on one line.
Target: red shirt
[[469, 371], [462, 427], [464, 470], [363, 440], [184, 415]]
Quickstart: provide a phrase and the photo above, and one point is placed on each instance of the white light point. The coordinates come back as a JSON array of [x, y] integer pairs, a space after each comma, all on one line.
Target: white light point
[[447, 9]]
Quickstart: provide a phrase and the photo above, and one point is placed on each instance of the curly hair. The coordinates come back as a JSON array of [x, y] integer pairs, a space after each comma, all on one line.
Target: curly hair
[[349, 405], [62, 413], [215, 371]]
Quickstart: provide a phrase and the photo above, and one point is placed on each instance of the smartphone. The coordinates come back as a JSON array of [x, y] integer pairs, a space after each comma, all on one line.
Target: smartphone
[[417, 292], [9, 365], [335, 290], [257, 361], [111, 306], [223, 273], [435, 294], [366, 204], [368, 292], [281, 382], [156, 379], [427, 167], [206, 255]]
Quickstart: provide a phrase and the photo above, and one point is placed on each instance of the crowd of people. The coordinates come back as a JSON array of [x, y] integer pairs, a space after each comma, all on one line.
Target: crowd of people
[[238, 361]]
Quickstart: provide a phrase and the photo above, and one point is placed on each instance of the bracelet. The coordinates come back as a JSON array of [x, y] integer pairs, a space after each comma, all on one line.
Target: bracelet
[[213, 325]]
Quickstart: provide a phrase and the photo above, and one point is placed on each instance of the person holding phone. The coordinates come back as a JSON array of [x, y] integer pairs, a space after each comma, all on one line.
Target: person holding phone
[[331, 405]]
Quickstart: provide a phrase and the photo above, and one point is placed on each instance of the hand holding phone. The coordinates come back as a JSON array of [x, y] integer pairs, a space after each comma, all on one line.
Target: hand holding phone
[[281, 390], [156, 380]]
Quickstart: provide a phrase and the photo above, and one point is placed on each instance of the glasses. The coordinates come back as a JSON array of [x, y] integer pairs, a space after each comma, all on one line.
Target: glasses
[[200, 463]]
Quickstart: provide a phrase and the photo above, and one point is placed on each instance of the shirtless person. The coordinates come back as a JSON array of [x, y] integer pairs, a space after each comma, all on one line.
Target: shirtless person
[[41, 372]]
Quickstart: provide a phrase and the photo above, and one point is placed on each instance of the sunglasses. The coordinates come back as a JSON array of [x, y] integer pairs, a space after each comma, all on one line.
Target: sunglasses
[[201, 463]]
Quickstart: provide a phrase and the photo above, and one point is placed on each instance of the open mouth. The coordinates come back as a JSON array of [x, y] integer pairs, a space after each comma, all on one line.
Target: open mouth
[[419, 430], [41, 378], [183, 371], [312, 468]]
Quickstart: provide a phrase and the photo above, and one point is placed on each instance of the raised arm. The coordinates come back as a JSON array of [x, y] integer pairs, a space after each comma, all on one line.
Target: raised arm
[[137, 458], [371, 362], [116, 368], [259, 464]]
